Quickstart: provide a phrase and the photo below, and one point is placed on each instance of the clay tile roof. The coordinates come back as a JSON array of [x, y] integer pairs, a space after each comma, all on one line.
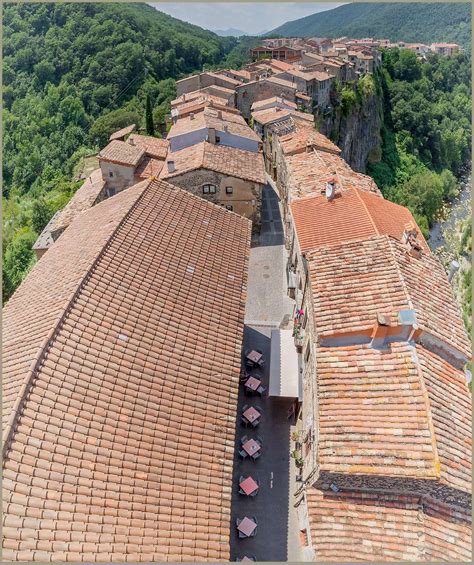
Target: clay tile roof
[[296, 142], [352, 214], [149, 167], [281, 82], [386, 527], [280, 65], [84, 198], [378, 275], [123, 446], [230, 161], [122, 153], [272, 114], [309, 172], [273, 100], [374, 416], [122, 132], [153, 146], [214, 118]]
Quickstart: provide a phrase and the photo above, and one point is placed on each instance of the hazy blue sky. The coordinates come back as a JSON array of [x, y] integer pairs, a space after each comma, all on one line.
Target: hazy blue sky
[[251, 17]]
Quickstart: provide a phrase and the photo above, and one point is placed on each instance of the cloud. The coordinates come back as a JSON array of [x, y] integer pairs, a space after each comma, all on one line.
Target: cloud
[[251, 17]]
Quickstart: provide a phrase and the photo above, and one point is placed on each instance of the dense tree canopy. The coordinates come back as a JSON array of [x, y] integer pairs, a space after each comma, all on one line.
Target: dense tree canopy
[[427, 129], [72, 74]]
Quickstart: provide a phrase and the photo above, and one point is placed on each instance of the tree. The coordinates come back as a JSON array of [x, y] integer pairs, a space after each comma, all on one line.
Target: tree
[[18, 260], [41, 213], [149, 116], [108, 123]]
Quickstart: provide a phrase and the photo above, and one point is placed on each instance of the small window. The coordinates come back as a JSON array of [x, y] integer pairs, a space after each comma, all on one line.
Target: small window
[[111, 191], [209, 189], [111, 174], [218, 139], [229, 207], [229, 190]]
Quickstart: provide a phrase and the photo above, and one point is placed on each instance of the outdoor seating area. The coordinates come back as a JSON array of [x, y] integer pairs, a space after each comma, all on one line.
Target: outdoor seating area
[[251, 447]]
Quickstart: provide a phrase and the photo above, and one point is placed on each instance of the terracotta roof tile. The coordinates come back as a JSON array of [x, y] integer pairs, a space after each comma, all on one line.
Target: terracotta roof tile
[[220, 158], [123, 447], [213, 118], [122, 132], [309, 172], [354, 281], [352, 214], [153, 146], [272, 114], [273, 101], [297, 141], [357, 526], [121, 152], [149, 167], [374, 416]]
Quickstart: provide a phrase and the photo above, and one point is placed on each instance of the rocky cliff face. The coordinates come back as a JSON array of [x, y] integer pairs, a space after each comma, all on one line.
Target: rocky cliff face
[[357, 133]]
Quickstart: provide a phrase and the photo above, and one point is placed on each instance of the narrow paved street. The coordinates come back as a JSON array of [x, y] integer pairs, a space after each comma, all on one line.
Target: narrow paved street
[[268, 307]]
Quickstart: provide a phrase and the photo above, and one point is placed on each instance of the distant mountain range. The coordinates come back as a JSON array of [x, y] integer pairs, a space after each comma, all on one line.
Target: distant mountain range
[[414, 22], [229, 32]]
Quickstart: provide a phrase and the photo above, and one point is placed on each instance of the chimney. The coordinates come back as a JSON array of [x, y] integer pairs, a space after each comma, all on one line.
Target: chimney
[[219, 114], [212, 135], [330, 190], [380, 330], [309, 148], [191, 116], [453, 270], [130, 140], [171, 167], [226, 128]]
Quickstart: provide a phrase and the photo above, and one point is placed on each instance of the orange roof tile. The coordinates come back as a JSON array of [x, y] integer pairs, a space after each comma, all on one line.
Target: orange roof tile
[[214, 118], [153, 146], [122, 132], [355, 526], [374, 416], [269, 115], [123, 446], [256, 106], [352, 214], [149, 167], [309, 172], [122, 153], [230, 161], [354, 281], [297, 141]]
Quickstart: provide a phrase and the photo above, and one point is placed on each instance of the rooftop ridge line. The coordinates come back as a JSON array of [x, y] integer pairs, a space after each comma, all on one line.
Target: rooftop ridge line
[[361, 200], [19, 403]]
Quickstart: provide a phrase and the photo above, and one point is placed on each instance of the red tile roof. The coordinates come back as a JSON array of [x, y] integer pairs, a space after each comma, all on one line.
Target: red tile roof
[[153, 146], [149, 167], [270, 115], [357, 526], [122, 153], [214, 118], [354, 281], [308, 173], [123, 447], [297, 141], [272, 102], [352, 214], [229, 161], [374, 414], [122, 132]]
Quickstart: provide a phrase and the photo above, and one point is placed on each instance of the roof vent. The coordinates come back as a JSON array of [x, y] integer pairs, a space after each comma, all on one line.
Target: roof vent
[[171, 167], [226, 128], [334, 487], [190, 269], [453, 270], [191, 116]]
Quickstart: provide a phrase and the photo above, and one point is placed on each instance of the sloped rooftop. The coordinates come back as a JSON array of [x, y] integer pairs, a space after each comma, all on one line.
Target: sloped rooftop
[[354, 281], [124, 345], [352, 214], [230, 161], [122, 153], [153, 146]]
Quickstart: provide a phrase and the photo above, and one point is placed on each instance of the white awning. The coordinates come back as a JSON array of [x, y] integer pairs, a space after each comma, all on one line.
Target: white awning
[[284, 370]]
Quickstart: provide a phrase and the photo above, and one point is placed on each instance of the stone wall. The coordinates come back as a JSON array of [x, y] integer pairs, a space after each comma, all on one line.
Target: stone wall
[[252, 92], [246, 197], [118, 177]]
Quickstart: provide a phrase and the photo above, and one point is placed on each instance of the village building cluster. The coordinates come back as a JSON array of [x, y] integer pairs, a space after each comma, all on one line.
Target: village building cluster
[[122, 348]]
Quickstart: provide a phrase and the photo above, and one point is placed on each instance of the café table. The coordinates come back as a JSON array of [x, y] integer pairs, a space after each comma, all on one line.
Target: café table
[[252, 383], [251, 446], [251, 414], [248, 485], [247, 526]]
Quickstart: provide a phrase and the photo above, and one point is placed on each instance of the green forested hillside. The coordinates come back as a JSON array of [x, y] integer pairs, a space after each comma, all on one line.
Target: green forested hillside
[[415, 22], [73, 73]]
